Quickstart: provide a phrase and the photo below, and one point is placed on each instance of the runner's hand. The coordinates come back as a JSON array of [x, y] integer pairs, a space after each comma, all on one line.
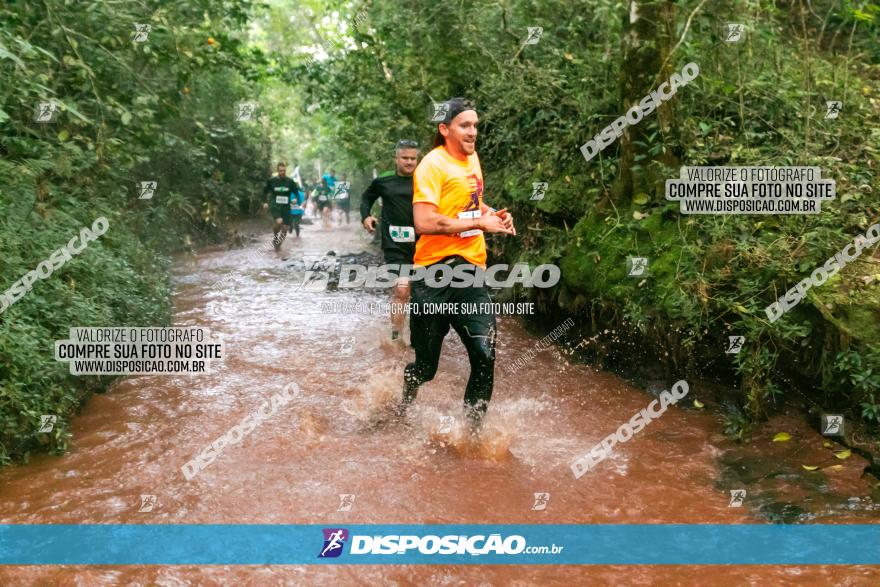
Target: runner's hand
[[265, 206], [507, 218], [370, 223], [493, 223]]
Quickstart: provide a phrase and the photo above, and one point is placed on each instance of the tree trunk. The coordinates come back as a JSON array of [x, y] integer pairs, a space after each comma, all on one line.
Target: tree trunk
[[649, 35]]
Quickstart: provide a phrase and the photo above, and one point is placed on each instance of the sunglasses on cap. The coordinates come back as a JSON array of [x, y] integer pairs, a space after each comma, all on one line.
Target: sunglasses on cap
[[407, 144]]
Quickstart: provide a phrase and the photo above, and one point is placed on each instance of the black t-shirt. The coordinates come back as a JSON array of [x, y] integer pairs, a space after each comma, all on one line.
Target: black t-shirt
[[322, 194], [280, 187], [396, 225]]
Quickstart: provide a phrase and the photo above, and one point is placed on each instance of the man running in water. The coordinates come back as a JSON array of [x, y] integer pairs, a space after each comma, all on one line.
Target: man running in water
[[278, 192], [297, 208], [330, 178], [342, 198], [450, 217], [396, 228], [322, 199], [311, 192]]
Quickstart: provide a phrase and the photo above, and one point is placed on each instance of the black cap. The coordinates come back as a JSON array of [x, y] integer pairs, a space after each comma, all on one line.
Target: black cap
[[454, 107]]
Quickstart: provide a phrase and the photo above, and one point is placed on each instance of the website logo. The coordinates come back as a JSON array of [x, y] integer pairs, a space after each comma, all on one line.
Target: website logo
[[541, 501], [833, 108], [734, 344], [734, 32], [737, 497], [334, 540], [47, 422], [147, 190], [637, 266], [832, 425], [539, 188], [535, 33]]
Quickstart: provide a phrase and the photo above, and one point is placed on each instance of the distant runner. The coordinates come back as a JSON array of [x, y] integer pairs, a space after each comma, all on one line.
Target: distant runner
[[297, 208], [277, 194], [322, 199], [450, 218], [342, 198], [396, 228], [330, 176], [312, 188]]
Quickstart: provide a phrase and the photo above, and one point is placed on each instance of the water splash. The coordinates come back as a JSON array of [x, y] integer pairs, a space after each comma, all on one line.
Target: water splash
[[375, 398]]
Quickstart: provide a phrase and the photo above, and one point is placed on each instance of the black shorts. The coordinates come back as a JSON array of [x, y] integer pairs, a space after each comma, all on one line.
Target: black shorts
[[343, 204], [322, 205], [479, 319], [283, 214], [397, 257], [473, 319]]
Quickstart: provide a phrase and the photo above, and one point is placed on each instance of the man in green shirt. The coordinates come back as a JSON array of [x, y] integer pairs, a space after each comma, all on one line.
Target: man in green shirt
[[277, 195], [322, 200], [342, 198]]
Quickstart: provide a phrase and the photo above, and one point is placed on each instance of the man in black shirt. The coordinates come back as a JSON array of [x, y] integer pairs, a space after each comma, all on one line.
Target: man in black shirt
[[398, 235], [322, 200], [277, 193]]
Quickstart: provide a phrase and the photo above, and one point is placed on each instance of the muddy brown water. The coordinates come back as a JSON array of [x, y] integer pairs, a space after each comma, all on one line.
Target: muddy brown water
[[134, 439]]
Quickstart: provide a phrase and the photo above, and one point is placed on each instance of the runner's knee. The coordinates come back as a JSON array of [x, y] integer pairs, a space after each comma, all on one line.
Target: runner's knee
[[481, 349], [484, 354], [401, 289], [418, 373]]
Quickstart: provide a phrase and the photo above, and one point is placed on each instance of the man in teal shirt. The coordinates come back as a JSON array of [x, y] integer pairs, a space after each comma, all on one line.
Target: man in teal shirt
[[297, 207]]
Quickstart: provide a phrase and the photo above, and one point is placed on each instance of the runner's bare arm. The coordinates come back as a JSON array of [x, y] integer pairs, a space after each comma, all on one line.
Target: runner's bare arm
[[429, 221]]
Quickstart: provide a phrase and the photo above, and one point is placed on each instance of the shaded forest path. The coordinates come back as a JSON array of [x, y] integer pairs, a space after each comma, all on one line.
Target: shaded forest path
[[293, 468]]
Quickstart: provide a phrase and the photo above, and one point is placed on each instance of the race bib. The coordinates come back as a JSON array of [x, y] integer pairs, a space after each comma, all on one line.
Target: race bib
[[470, 214], [322, 198], [402, 234], [342, 196], [282, 199]]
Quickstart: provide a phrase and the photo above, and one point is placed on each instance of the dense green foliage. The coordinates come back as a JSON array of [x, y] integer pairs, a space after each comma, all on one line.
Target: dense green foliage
[[338, 83], [757, 102], [129, 110]]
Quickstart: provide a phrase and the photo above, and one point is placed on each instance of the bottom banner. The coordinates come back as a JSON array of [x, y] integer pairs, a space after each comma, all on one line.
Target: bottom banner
[[645, 544]]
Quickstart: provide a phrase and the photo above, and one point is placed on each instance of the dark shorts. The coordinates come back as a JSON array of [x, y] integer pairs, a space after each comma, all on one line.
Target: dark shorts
[[322, 205], [475, 327], [397, 257], [426, 321], [343, 204], [283, 214]]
